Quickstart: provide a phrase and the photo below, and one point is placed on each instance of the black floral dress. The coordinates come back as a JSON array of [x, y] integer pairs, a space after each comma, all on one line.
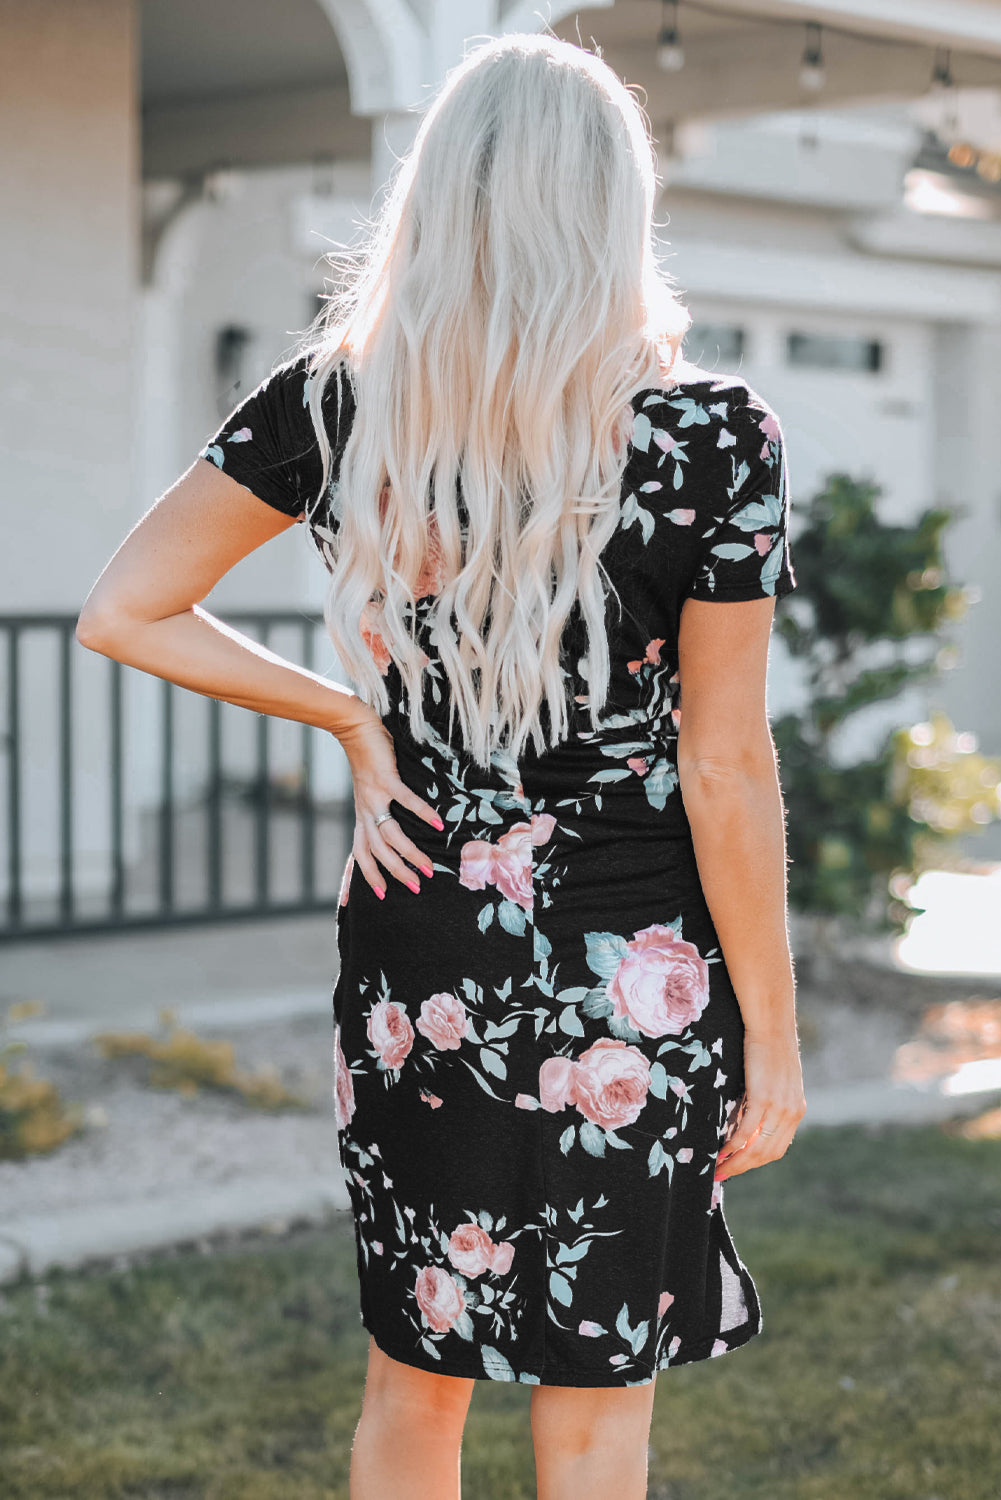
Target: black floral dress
[[537, 1058]]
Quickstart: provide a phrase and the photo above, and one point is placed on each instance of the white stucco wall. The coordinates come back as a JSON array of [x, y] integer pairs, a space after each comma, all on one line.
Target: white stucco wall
[[68, 279]]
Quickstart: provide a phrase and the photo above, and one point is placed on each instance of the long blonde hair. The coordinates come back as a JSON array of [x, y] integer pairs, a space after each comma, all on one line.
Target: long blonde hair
[[505, 307]]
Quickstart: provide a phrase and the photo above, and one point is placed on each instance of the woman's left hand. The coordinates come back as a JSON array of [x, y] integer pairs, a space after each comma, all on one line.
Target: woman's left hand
[[377, 783]]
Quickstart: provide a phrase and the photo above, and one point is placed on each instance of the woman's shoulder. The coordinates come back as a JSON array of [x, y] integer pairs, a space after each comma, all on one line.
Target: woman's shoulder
[[718, 417], [696, 396]]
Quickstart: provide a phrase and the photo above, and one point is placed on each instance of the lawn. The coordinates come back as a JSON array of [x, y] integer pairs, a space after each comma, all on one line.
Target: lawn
[[237, 1375]]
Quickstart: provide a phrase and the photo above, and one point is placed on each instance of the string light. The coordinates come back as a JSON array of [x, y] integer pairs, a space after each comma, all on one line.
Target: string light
[[812, 74], [670, 55]]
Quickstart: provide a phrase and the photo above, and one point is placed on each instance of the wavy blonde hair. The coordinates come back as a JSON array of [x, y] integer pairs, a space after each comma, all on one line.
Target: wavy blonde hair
[[496, 323]]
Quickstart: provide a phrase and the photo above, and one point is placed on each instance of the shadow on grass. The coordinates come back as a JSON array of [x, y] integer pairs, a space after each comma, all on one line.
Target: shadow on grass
[[238, 1375]]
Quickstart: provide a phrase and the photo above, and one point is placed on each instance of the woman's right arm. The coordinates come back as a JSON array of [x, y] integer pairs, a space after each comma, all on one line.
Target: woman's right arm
[[730, 787]]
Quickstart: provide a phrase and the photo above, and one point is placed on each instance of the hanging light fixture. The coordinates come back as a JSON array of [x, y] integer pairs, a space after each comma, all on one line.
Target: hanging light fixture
[[670, 55], [812, 74]]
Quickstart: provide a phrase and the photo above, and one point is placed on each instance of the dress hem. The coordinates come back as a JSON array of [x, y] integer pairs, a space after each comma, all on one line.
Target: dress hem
[[689, 1355]]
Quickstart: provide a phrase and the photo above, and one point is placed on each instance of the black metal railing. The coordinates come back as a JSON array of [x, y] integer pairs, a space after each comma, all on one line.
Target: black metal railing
[[130, 802]]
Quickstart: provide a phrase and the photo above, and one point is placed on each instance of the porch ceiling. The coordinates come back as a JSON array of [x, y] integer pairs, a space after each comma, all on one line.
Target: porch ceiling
[[246, 83]]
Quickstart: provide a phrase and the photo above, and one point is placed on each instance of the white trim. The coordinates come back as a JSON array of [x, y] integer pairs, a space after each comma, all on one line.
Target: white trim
[[895, 288]]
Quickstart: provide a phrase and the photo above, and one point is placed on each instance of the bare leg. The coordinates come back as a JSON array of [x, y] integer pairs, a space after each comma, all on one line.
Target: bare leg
[[408, 1439], [592, 1442]]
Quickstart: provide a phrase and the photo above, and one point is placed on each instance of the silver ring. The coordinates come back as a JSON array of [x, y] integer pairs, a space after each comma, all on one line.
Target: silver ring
[[766, 1132], [383, 818]]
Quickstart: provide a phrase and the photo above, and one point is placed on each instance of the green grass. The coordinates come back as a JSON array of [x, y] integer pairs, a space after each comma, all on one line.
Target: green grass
[[238, 1376]]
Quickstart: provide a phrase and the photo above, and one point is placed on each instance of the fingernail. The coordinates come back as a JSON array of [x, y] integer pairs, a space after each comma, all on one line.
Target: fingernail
[[414, 886], [379, 892], [427, 870], [438, 824]]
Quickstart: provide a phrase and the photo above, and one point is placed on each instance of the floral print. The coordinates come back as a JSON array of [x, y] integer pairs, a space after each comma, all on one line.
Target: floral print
[[537, 1059]]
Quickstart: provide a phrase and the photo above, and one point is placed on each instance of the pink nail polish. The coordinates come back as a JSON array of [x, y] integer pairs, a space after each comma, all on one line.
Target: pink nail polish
[[427, 870], [414, 886], [439, 824], [379, 892]]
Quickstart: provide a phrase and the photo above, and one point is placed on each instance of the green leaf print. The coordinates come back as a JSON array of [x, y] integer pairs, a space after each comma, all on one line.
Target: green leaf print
[[512, 918], [495, 1365], [567, 1254], [592, 1138], [463, 1326], [493, 1062], [658, 1080], [567, 1138], [485, 917], [571, 1023], [560, 1288], [732, 551], [640, 1337], [605, 951]]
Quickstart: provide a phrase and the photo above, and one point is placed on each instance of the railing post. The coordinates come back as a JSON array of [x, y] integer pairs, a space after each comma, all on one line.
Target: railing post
[[14, 869]]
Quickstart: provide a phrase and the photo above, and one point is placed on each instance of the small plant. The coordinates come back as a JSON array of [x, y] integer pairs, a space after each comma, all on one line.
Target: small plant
[[187, 1062], [867, 622], [33, 1117]]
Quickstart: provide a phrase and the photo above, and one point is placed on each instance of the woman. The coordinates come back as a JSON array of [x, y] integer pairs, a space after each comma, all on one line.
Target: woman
[[551, 1053]]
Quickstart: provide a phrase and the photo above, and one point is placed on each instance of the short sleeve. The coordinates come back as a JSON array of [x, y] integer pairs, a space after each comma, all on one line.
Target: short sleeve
[[268, 442], [745, 553]]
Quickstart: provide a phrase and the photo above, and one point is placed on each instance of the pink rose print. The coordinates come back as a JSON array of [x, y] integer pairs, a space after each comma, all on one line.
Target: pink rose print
[[769, 426], [342, 895], [619, 1359], [651, 655], [666, 1298], [390, 1032], [763, 542], [639, 764], [556, 1083], [682, 517], [664, 440], [719, 1347], [344, 1089], [476, 866], [512, 874], [503, 1256], [685, 1154], [525, 1101], [443, 1021], [508, 863], [373, 640], [431, 578], [242, 435], [590, 1330], [431, 1099], [472, 1251], [662, 983], [377, 1246], [439, 1297], [610, 1083]]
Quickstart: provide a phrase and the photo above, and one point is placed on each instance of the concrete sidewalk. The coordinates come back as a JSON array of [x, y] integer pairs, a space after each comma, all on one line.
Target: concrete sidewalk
[[33, 1244]]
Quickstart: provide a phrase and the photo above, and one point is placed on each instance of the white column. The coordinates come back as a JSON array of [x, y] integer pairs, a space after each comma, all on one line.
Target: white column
[[967, 390]]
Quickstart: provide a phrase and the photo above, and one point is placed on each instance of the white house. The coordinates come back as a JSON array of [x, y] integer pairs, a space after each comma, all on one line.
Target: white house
[[171, 172]]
